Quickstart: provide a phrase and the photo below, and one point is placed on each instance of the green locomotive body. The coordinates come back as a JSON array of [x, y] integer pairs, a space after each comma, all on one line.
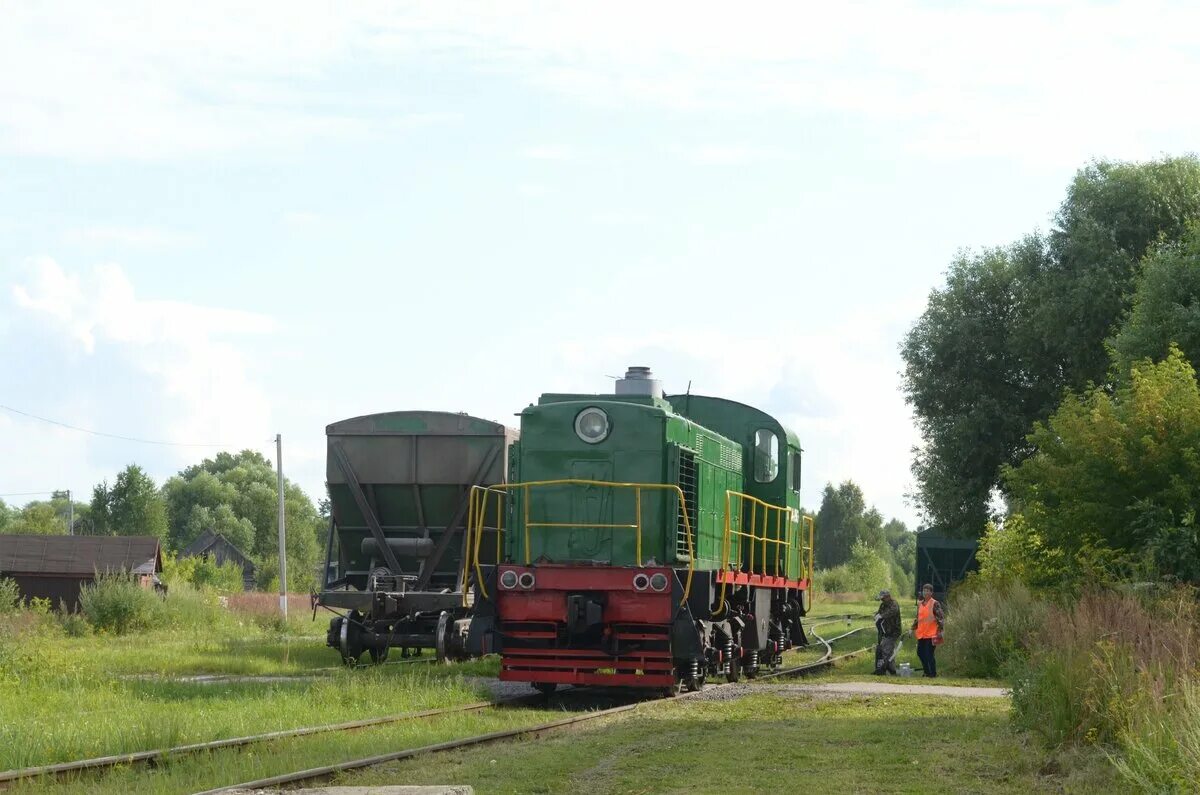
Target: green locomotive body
[[647, 541]]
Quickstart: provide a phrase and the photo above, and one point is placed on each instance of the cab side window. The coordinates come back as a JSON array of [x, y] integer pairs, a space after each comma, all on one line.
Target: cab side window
[[766, 455], [794, 471]]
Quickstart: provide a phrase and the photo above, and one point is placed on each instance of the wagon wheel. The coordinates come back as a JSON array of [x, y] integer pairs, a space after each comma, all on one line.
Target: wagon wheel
[[350, 637], [378, 653]]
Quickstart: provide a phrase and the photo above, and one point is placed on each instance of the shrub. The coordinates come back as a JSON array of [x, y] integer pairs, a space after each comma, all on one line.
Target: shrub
[[990, 626], [10, 596], [117, 603], [74, 625], [867, 571], [186, 607], [203, 572], [1120, 669]]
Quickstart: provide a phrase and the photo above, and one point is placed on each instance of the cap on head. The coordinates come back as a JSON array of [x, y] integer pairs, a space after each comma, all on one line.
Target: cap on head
[[884, 594], [927, 587]]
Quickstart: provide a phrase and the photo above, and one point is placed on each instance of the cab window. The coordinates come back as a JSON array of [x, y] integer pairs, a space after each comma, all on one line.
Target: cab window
[[794, 471], [766, 455]]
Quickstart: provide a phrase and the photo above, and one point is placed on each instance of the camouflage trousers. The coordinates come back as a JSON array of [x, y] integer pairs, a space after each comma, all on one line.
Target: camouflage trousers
[[885, 655]]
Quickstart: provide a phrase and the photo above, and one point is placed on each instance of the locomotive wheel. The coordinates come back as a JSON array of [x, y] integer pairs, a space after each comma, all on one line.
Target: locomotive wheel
[[694, 684], [675, 689], [735, 670], [378, 654]]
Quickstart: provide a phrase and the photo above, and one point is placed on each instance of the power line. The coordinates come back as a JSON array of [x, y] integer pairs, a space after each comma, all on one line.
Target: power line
[[113, 435], [31, 493]]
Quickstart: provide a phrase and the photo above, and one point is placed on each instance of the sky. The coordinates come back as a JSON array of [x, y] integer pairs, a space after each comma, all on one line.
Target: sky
[[221, 221]]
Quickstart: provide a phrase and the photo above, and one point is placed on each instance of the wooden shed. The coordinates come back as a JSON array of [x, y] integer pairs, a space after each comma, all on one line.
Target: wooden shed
[[211, 544], [57, 567]]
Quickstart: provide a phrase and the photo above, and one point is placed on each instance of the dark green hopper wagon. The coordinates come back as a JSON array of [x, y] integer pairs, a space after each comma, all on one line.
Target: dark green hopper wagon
[[399, 485], [942, 562]]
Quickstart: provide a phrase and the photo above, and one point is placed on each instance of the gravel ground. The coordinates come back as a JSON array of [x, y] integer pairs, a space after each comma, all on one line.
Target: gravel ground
[[846, 689]]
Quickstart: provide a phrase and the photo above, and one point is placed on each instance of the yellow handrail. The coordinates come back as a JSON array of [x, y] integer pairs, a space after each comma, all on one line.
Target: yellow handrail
[[779, 511], [477, 512], [808, 520]]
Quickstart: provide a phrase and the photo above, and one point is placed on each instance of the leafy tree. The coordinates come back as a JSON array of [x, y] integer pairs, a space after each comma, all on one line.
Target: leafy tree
[[963, 377], [37, 518], [1015, 326], [1113, 215], [1166, 306], [133, 506], [236, 495], [1115, 474], [839, 523], [903, 544], [7, 515]]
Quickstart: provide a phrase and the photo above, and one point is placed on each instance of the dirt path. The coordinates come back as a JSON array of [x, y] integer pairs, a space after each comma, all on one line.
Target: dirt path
[[888, 688]]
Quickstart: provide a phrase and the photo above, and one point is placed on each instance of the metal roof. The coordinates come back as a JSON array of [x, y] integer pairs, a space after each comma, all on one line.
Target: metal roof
[[79, 555]]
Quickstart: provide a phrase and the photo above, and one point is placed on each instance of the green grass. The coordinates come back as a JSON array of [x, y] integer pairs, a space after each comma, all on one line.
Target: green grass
[[65, 698], [226, 767], [764, 743], [64, 718]]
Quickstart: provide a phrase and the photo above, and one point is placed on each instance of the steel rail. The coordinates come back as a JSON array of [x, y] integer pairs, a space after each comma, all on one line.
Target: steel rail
[[156, 755], [329, 770]]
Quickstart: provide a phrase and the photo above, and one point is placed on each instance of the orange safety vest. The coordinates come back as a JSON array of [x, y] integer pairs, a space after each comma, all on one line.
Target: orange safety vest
[[927, 626]]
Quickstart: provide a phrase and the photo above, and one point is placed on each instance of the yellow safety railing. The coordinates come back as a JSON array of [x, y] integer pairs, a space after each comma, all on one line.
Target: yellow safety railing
[[477, 513], [808, 520], [777, 538]]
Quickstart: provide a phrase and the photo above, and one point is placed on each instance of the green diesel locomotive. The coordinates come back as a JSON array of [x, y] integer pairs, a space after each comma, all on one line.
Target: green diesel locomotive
[[640, 540]]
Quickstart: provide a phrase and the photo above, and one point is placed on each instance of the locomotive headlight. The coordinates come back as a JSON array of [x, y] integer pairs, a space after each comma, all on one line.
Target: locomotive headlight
[[591, 425], [658, 581], [526, 580], [508, 580], [640, 582]]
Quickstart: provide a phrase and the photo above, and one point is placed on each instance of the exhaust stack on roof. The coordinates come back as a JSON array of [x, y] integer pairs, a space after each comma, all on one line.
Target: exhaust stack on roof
[[639, 381]]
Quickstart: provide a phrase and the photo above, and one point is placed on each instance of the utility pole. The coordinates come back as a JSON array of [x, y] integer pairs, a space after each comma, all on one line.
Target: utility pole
[[70, 514], [282, 529]]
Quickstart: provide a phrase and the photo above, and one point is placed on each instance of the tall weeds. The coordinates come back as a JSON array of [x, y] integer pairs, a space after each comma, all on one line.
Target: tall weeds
[[990, 628], [1123, 671]]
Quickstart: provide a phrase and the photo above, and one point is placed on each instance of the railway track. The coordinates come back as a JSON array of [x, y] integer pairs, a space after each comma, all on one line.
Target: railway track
[[325, 772], [158, 756]]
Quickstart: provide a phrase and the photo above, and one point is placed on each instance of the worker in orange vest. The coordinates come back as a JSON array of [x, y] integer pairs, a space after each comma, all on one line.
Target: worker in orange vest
[[928, 628]]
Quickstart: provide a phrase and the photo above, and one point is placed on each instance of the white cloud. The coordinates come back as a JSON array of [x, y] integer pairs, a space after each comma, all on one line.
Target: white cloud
[[203, 388], [731, 154], [532, 190], [145, 79], [140, 237], [549, 152]]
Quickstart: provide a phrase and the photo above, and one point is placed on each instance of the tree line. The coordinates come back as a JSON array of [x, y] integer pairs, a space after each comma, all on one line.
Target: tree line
[[856, 550], [1053, 385], [235, 495]]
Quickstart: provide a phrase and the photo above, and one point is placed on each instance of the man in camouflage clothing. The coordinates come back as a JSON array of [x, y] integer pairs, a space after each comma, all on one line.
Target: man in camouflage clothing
[[887, 622]]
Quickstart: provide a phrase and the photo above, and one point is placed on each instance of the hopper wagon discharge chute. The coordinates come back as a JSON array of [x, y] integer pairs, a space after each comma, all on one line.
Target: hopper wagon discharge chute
[[400, 484]]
